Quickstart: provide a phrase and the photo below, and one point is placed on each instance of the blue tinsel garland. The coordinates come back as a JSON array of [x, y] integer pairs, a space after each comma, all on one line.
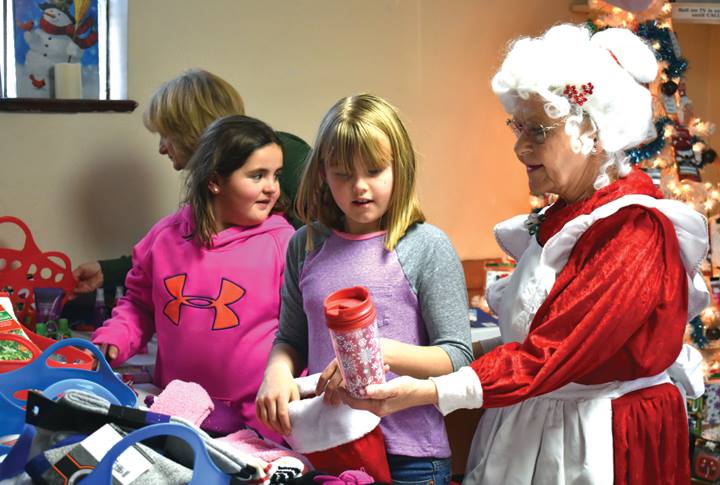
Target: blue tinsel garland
[[676, 66], [697, 333], [653, 148]]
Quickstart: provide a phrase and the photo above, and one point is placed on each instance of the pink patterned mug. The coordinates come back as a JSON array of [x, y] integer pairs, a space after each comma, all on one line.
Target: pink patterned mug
[[350, 317]]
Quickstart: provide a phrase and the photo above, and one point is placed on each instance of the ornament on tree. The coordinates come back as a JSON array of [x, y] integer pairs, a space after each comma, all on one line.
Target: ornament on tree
[[670, 104], [669, 88], [655, 174], [698, 333], [713, 333], [685, 112], [684, 155], [708, 156]]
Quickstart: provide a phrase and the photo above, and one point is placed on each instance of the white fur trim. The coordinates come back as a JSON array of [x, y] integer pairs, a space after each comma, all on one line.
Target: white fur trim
[[494, 293], [569, 54], [690, 228], [307, 384], [687, 372], [512, 236], [461, 389], [317, 426]]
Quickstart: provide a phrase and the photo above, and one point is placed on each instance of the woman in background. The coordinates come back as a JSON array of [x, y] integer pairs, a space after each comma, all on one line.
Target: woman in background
[[179, 112]]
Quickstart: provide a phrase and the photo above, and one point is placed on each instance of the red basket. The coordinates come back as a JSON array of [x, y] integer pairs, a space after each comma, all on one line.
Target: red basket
[[28, 268], [74, 358]]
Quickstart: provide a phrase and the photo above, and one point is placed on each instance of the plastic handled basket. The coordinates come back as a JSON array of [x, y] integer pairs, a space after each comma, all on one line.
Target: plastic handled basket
[[39, 374], [205, 472], [73, 358], [28, 268]]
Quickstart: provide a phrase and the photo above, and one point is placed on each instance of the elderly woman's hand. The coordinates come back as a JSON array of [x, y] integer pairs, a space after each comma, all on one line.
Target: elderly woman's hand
[[330, 383], [396, 395]]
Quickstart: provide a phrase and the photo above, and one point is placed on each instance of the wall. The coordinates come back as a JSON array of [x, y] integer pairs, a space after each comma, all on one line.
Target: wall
[[92, 184], [700, 44]]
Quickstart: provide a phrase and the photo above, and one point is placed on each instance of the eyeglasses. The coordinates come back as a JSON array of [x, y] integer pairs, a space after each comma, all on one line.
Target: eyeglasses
[[537, 133]]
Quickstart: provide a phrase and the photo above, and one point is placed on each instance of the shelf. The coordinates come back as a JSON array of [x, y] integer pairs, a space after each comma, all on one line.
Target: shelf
[[38, 105]]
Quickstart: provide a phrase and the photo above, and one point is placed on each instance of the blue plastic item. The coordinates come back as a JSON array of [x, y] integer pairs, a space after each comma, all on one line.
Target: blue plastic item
[[53, 391], [14, 462], [205, 472], [39, 375]]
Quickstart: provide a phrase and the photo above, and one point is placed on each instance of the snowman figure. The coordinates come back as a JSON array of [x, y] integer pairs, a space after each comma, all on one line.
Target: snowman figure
[[55, 40]]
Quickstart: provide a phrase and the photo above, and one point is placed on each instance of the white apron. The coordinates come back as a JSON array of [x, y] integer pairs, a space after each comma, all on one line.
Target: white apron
[[564, 437]]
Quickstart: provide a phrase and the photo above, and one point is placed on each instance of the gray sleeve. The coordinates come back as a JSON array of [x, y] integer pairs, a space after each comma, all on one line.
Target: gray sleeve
[[292, 329], [436, 276]]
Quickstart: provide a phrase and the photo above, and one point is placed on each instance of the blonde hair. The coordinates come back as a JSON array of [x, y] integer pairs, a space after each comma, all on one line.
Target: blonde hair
[[351, 133], [183, 107]]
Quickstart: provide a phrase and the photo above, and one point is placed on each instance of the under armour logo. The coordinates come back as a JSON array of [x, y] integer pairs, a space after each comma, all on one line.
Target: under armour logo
[[224, 316]]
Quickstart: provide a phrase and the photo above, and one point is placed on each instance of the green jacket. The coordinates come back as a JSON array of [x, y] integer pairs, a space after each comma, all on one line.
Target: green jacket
[[295, 153]]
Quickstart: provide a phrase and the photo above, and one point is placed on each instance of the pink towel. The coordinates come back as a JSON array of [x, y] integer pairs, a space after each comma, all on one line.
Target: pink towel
[[248, 441], [184, 399]]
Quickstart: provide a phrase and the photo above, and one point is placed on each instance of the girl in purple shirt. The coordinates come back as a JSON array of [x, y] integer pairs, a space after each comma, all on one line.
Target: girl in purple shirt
[[364, 227]]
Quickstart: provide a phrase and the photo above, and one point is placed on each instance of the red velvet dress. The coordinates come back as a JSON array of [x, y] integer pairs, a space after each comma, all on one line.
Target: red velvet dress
[[616, 312]]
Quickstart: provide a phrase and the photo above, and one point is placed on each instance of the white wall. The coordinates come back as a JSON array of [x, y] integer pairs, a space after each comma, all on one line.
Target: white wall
[[92, 184]]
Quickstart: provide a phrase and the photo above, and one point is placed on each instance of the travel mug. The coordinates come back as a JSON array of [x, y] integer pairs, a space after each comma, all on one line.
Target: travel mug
[[350, 317]]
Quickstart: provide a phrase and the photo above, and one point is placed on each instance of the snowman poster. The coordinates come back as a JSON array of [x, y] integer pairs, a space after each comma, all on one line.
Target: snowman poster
[[55, 32]]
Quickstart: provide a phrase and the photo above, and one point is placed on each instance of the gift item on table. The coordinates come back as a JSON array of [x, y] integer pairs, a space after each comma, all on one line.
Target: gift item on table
[[82, 412], [43, 372], [48, 303], [336, 438], [712, 402], [187, 400], [350, 477], [715, 289], [696, 413], [67, 464], [100, 310], [32, 269], [34, 343], [137, 374], [350, 317], [18, 348], [191, 402], [204, 470], [706, 461], [479, 318], [252, 443]]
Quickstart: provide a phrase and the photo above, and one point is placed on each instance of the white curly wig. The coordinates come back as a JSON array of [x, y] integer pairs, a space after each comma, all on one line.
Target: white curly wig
[[615, 61]]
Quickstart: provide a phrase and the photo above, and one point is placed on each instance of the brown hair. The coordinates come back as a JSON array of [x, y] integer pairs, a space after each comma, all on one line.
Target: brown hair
[[224, 147]]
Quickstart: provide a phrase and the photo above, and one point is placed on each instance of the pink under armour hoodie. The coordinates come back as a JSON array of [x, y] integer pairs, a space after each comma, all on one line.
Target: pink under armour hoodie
[[214, 310]]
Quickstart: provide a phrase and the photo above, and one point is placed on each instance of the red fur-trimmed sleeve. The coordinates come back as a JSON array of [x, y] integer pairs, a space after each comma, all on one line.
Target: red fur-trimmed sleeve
[[617, 311]]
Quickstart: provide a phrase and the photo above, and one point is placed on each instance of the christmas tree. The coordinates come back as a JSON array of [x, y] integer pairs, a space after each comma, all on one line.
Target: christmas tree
[[674, 158]]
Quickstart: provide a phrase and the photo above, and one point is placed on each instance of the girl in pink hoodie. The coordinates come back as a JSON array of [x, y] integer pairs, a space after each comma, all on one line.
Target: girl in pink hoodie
[[207, 278]]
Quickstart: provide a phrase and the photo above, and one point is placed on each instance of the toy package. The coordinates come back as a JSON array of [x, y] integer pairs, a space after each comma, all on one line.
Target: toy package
[[12, 348]]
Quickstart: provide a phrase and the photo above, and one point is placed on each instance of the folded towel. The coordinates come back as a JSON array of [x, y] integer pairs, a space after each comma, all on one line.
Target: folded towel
[[248, 441], [184, 399]]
